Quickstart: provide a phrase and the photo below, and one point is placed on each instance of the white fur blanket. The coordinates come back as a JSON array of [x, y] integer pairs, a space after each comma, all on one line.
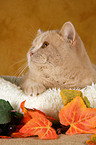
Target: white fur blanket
[[50, 102]]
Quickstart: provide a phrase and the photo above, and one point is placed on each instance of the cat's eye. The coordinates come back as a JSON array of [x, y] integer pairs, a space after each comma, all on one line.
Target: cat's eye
[[45, 44]]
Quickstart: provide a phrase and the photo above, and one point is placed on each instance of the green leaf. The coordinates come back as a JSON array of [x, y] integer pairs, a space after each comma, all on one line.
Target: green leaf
[[5, 111], [86, 101], [68, 95]]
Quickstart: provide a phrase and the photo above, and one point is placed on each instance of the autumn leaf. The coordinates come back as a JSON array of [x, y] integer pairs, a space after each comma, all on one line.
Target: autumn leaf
[[92, 141], [3, 137], [35, 122], [39, 126], [80, 118], [26, 116], [17, 135], [33, 113], [29, 113], [68, 95]]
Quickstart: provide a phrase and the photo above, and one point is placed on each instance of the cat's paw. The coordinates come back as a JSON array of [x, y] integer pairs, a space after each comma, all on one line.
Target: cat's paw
[[34, 89]]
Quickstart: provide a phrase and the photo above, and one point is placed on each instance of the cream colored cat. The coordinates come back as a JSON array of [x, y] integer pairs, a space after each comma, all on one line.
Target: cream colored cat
[[57, 59]]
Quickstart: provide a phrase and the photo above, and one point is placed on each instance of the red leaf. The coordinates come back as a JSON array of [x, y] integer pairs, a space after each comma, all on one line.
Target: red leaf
[[39, 126], [3, 137], [17, 135], [80, 118], [48, 117], [26, 116], [35, 123]]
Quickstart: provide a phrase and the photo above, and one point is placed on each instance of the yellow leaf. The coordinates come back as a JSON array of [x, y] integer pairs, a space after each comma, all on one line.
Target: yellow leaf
[[68, 95]]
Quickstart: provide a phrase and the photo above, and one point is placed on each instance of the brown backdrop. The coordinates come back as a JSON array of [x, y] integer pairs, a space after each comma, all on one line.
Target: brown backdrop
[[20, 19]]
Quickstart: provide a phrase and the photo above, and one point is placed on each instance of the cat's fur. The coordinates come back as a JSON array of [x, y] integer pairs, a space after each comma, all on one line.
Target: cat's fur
[[64, 63]]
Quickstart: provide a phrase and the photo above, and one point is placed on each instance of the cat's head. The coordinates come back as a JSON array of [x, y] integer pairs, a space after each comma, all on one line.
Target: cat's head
[[56, 48]]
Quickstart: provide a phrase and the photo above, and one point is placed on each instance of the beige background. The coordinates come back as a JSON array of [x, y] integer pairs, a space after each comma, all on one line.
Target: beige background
[[62, 139], [20, 19]]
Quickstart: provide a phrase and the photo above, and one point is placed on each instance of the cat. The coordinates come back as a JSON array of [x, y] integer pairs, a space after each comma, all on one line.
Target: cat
[[57, 59]]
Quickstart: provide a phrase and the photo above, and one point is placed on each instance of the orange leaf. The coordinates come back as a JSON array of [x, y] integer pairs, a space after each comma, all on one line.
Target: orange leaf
[[92, 141], [22, 106], [29, 113], [3, 137], [26, 116], [36, 114], [39, 126], [40, 112], [17, 135], [36, 123], [80, 118]]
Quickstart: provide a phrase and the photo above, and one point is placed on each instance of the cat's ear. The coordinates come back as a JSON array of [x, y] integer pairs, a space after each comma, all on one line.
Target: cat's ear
[[39, 32], [68, 31]]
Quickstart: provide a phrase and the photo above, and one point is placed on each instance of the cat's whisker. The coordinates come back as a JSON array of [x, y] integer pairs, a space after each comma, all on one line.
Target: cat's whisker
[[22, 71], [50, 26], [18, 71], [15, 73], [50, 63], [31, 34], [34, 30], [22, 60]]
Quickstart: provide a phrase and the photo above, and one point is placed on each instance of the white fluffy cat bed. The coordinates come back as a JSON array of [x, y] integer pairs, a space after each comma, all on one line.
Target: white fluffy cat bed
[[50, 102]]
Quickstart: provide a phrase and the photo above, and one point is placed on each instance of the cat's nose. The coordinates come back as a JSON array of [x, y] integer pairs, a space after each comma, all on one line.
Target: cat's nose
[[31, 53]]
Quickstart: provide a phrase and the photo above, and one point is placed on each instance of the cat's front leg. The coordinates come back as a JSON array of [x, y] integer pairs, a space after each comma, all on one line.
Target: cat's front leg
[[32, 88]]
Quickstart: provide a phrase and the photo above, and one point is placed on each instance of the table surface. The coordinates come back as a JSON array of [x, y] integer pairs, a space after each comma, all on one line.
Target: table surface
[[61, 140]]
